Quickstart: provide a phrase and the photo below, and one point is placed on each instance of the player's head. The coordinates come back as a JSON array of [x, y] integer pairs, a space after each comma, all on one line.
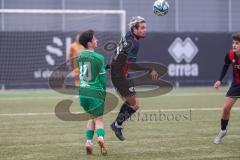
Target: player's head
[[236, 42], [88, 40], [138, 26]]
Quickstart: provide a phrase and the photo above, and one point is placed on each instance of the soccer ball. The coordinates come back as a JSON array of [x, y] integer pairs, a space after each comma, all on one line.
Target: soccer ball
[[160, 7]]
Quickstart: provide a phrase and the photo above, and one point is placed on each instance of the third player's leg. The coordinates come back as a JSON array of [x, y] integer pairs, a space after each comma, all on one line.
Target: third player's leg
[[228, 103]]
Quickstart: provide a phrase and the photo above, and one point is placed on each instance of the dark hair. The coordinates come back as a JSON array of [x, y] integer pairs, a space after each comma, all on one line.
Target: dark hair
[[236, 36], [86, 37]]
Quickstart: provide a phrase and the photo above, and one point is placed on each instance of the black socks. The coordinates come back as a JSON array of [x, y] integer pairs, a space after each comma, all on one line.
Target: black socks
[[125, 112], [224, 124]]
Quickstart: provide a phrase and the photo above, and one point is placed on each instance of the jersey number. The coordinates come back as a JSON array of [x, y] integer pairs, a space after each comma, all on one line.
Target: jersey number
[[85, 71]]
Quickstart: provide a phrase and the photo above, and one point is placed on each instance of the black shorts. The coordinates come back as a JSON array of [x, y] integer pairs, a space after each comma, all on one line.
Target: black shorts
[[234, 91], [124, 86]]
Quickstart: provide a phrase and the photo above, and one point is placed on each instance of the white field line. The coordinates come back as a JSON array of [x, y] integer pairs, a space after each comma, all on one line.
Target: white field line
[[61, 97], [114, 111], [195, 94]]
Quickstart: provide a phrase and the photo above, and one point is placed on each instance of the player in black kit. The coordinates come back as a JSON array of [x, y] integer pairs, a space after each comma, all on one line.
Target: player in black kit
[[232, 58], [127, 52]]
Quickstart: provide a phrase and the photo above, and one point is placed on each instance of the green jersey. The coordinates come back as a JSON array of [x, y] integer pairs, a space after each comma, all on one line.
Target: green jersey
[[92, 73]]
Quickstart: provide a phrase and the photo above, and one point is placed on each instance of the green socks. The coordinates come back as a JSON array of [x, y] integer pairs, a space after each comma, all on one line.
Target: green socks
[[100, 132], [89, 134]]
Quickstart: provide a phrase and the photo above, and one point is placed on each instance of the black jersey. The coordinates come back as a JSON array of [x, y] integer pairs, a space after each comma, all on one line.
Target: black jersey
[[126, 52], [133, 50]]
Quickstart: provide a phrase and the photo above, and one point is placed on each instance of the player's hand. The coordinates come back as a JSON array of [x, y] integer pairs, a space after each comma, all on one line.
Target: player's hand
[[154, 75], [217, 84]]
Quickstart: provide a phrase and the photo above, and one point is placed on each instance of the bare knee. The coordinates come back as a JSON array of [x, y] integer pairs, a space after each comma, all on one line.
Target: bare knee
[[226, 109], [229, 102], [91, 125], [137, 105], [134, 103], [99, 122]]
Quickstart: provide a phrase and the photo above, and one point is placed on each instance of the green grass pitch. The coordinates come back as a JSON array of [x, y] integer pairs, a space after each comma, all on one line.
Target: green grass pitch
[[178, 126]]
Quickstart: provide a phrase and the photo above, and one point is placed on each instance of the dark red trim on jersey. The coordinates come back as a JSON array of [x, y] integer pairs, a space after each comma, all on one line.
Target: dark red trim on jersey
[[135, 39], [238, 76], [231, 57]]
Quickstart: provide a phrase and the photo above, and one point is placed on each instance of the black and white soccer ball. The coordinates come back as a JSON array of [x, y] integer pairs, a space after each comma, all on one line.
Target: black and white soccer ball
[[160, 7]]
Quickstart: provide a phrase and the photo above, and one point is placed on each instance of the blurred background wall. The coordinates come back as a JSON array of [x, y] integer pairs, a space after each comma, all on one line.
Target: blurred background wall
[[32, 45], [183, 16]]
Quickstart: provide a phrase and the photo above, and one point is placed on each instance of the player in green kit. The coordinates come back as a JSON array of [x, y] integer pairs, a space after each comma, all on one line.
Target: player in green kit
[[92, 89]]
